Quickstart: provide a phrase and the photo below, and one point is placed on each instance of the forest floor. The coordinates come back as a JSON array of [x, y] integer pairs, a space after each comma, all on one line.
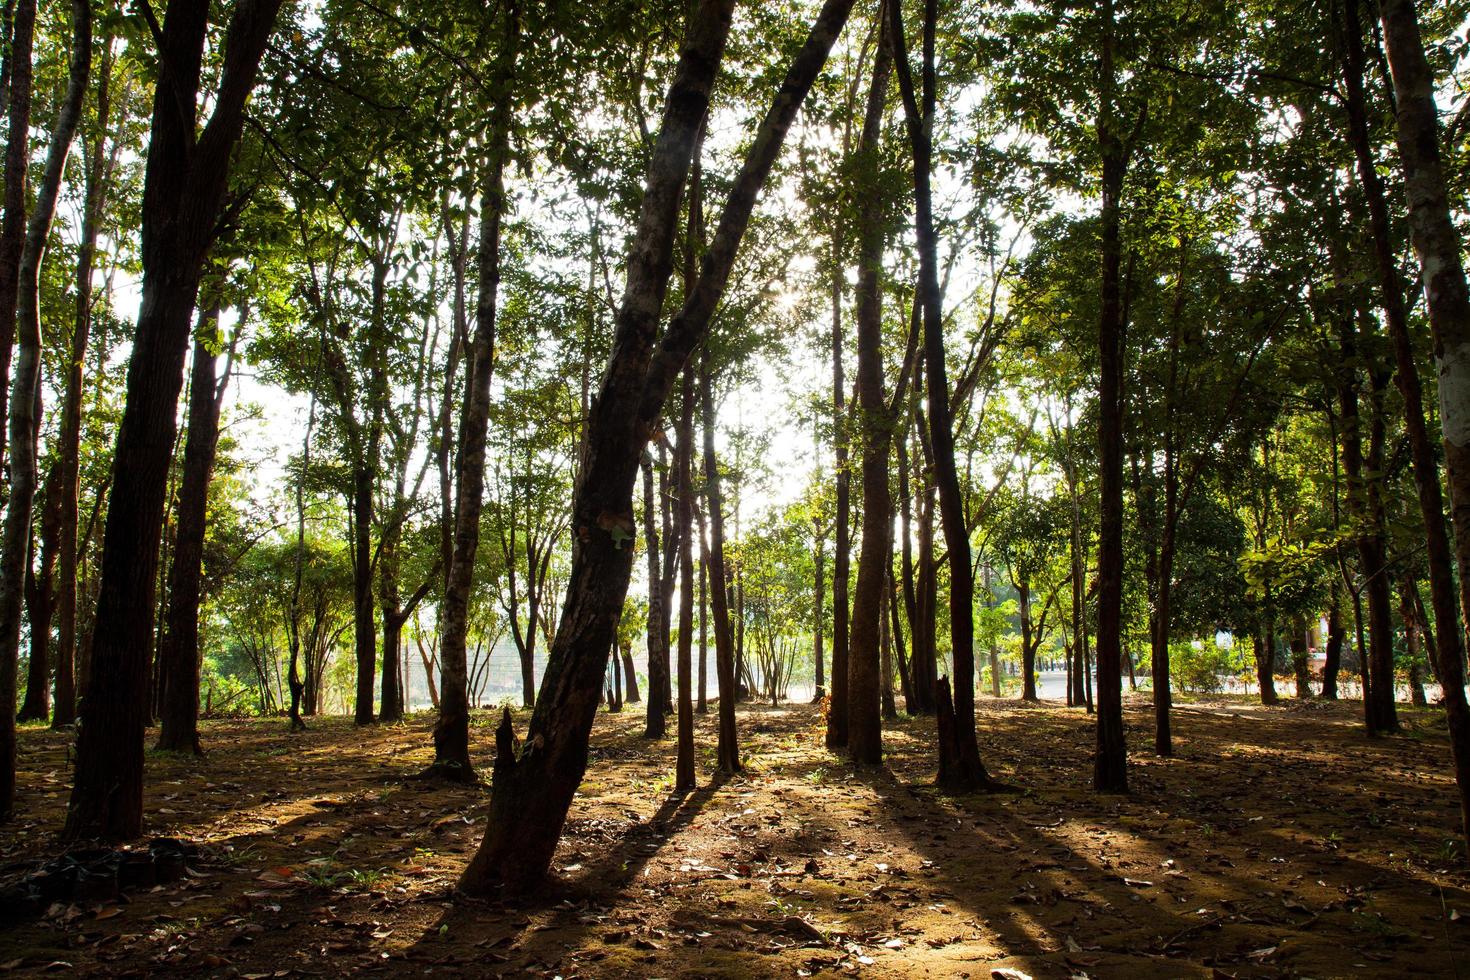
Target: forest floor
[[1278, 842]]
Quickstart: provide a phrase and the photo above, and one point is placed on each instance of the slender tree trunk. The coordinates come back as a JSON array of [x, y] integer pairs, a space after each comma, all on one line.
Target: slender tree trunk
[[178, 647], [701, 705], [865, 679], [40, 605], [451, 730], [1110, 761], [914, 696], [890, 706], [837, 707], [684, 776], [13, 225], [905, 680], [21, 317], [390, 608], [728, 744], [184, 186], [1437, 245], [533, 788], [1301, 669], [1409, 616], [1332, 662], [658, 655], [670, 569], [1028, 646], [962, 770], [925, 660], [819, 615], [99, 165]]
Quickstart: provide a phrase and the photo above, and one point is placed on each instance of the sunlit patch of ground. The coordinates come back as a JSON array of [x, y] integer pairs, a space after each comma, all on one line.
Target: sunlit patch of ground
[[1280, 842]]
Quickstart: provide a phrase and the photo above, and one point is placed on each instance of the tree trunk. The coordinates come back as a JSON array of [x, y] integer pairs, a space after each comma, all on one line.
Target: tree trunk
[[390, 608], [1028, 645], [890, 706], [13, 225], [684, 776], [926, 586], [1332, 662], [1110, 761], [178, 646], [658, 654], [670, 569], [1265, 657], [630, 679], [451, 730], [728, 744], [1437, 245], [99, 165], [865, 679], [701, 703], [905, 680], [40, 605], [533, 788], [184, 185], [1408, 614], [1301, 669], [837, 706], [22, 318], [819, 596]]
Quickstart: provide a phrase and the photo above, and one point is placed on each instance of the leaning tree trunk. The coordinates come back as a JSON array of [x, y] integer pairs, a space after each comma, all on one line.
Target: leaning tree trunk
[[864, 677], [178, 647], [25, 384], [960, 765], [184, 186], [533, 788], [1437, 245]]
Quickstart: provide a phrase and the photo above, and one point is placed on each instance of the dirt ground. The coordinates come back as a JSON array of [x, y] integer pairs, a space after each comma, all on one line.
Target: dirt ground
[[1278, 842]]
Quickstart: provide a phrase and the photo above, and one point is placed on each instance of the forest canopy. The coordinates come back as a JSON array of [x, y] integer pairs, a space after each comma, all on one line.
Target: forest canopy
[[505, 365]]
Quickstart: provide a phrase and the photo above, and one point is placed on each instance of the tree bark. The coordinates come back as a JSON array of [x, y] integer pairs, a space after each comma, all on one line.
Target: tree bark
[[533, 789], [963, 771], [178, 646], [451, 730], [837, 705], [1332, 662], [13, 224], [727, 751], [684, 776], [1265, 658], [24, 318], [863, 653], [1110, 760], [40, 589], [184, 185], [1437, 245], [656, 725], [99, 166]]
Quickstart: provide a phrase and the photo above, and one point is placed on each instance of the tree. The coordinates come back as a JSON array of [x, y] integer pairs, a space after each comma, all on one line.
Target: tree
[[532, 789], [178, 227]]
